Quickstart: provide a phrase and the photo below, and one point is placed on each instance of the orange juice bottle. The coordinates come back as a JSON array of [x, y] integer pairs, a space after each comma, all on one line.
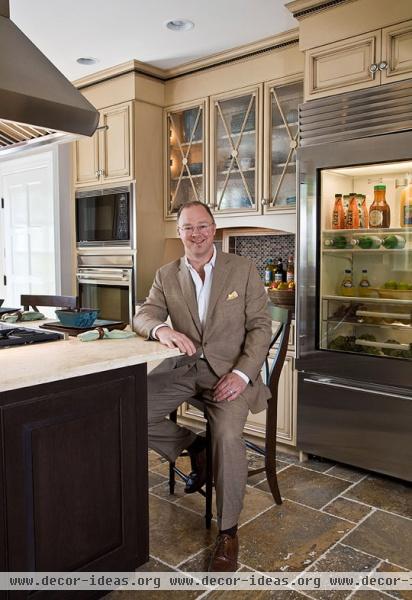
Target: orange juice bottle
[[338, 214], [352, 219]]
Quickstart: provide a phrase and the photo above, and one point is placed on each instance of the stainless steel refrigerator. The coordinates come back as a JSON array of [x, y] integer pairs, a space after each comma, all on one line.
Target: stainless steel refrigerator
[[354, 307]]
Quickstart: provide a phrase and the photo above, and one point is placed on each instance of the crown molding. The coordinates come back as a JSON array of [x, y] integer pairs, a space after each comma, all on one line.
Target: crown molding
[[306, 8], [244, 52]]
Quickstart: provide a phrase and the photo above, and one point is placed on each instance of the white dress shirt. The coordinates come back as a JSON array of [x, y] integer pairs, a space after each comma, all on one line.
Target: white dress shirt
[[203, 289]]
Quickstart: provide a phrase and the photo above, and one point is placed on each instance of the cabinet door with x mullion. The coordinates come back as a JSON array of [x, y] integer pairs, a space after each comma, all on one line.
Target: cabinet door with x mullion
[[185, 156], [281, 142], [236, 125]]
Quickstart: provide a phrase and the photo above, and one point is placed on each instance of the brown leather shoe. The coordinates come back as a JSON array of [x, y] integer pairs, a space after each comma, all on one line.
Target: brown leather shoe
[[224, 557]]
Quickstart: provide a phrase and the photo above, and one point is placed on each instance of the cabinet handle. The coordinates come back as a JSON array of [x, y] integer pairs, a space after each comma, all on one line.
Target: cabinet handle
[[102, 127], [383, 65], [373, 69]]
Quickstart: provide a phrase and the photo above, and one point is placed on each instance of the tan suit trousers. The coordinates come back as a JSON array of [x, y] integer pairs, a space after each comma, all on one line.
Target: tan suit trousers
[[168, 388]]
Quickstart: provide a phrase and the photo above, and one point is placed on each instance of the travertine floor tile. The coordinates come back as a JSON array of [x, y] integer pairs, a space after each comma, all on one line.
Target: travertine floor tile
[[288, 537], [176, 533], [388, 567], [347, 509], [314, 462], [162, 490], [342, 558], [349, 473], [155, 479], [309, 487], [385, 493], [386, 536]]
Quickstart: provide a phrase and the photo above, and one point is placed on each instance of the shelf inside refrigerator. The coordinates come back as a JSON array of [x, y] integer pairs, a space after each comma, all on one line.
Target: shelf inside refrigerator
[[367, 325], [368, 299]]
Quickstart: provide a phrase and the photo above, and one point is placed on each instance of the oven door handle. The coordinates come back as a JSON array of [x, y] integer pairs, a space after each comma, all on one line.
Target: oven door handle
[[103, 281]]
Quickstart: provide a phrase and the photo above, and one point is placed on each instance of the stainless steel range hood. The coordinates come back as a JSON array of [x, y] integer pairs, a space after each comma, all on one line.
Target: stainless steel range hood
[[37, 103]]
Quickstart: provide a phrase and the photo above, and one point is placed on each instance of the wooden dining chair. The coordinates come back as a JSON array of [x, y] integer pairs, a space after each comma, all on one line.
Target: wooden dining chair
[[29, 300], [273, 368]]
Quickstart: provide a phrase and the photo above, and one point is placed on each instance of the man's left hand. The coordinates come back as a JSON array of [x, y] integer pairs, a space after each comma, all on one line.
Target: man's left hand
[[229, 387]]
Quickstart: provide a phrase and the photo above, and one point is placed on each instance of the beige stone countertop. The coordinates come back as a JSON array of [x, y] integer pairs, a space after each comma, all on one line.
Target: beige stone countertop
[[23, 366]]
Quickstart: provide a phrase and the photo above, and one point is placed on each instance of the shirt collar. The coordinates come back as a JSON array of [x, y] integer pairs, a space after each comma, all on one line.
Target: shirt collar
[[211, 262]]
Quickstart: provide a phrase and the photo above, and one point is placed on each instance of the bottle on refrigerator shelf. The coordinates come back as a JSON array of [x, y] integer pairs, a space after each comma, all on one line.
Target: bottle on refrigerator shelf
[[364, 285], [363, 211], [352, 217], [346, 287], [278, 274], [406, 206], [338, 242], [379, 211], [290, 271], [338, 213], [269, 270], [393, 242], [366, 242]]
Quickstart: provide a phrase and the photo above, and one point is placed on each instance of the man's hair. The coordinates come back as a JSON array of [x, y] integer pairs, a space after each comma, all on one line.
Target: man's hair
[[182, 207]]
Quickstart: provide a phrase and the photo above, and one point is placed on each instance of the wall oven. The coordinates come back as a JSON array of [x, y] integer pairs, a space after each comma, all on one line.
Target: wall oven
[[104, 217], [107, 283]]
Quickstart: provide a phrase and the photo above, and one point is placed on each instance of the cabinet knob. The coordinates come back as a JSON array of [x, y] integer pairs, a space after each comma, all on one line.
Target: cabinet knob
[[383, 65], [373, 69]]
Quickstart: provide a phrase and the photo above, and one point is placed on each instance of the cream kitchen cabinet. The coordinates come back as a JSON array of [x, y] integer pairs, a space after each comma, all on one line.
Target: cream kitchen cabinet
[[236, 127], [185, 155], [359, 62], [108, 155], [235, 151]]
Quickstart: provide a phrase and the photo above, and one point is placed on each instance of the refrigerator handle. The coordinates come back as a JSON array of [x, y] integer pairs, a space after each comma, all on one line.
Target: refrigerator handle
[[331, 383]]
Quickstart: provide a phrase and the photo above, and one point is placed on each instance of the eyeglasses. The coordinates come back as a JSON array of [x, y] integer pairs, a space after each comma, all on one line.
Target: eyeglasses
[[189, 229]]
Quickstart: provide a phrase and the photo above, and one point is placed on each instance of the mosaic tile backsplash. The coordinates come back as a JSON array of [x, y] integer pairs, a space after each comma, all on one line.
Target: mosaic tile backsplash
[[260, 248]]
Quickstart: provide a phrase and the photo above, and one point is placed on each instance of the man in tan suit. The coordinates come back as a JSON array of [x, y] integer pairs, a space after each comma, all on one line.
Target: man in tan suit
[[218, 309]]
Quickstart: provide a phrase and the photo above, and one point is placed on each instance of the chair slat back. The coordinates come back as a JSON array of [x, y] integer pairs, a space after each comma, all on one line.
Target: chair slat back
[[27, 300], [281, 338]]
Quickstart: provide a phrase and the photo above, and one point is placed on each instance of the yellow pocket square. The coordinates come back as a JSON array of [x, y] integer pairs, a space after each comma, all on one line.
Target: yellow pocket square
[[232, 295]]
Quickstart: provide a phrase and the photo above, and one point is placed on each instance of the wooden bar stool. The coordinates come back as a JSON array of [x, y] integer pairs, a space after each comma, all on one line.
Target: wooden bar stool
[[279, 344], [33, 300]]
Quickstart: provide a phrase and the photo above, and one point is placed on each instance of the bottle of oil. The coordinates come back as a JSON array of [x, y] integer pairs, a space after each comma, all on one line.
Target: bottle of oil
[[346, 287], [269, 269], [364, 285]]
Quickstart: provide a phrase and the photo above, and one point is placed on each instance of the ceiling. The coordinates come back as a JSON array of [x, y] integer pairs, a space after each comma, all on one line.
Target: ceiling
[[115, 31]]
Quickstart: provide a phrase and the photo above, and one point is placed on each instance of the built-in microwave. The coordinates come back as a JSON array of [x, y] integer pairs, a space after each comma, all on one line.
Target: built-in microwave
[[104, 217]]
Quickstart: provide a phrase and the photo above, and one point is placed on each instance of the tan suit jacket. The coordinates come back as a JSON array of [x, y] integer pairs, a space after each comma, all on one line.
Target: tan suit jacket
[[237, 331]]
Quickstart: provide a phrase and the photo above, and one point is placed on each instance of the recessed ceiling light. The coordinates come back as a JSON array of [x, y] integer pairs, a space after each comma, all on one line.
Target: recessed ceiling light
[[180, 25], [87, 60]]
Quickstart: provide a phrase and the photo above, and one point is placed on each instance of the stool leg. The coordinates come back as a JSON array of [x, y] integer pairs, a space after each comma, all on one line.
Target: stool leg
[[209, 476], [172, 479]]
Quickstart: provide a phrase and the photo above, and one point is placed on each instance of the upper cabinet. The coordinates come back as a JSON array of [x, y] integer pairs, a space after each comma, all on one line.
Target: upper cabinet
[[107, 156], [281, 143], [359, 62], [235, 143], [245, 161], [185, 158]]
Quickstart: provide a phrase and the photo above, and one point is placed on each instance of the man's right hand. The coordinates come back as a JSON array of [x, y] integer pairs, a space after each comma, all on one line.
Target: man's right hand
[[173, 339]]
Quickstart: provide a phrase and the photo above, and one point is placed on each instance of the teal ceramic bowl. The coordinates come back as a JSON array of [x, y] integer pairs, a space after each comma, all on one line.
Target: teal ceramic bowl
[[85, 317]]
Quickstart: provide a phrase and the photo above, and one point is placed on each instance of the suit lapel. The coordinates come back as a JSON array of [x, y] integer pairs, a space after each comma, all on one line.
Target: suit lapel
[[220, 275], [189, 294]]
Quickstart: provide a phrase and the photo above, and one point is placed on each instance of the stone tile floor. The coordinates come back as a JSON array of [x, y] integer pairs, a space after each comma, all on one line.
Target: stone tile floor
[[333, 518]]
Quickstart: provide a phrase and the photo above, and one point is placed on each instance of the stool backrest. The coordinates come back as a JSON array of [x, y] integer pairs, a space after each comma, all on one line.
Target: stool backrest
[[27, 300], [280, 341]]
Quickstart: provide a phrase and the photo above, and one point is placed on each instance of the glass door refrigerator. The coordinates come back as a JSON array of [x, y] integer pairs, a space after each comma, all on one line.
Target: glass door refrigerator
[[354, 310]]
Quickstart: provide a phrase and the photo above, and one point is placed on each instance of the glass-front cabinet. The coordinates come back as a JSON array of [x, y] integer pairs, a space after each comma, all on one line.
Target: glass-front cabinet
[[185, 156], [235, 143], [281, 143], [366, 260]]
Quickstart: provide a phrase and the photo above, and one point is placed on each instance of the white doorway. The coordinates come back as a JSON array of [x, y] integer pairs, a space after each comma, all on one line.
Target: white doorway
[[29, 227]]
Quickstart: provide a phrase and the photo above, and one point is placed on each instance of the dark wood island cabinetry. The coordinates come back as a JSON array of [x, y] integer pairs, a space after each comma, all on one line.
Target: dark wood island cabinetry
[[74, 476]]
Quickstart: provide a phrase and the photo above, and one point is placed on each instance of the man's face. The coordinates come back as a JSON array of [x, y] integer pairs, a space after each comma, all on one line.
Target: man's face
[[197, 232]]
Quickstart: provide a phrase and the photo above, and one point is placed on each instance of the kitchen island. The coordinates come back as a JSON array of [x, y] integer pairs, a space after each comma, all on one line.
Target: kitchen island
[[74, 455]]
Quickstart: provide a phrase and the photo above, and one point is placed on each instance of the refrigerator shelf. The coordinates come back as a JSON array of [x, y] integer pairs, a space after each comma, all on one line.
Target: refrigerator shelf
[[366, 300], [379, 345], [369, 230], [398, 326], [366, 250]]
